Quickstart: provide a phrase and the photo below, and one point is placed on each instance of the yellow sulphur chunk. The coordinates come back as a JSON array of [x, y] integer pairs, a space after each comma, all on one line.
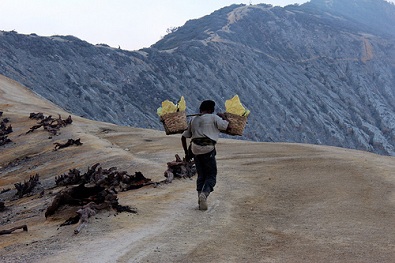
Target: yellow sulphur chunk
[[159, 111], [234, 106], [182, 104], [168, 107]]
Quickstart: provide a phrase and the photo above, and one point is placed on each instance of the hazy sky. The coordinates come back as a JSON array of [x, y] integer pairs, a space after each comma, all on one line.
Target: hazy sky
[[130, 24]]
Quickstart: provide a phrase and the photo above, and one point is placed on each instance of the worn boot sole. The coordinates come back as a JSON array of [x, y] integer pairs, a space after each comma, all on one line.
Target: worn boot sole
[[202, 202]]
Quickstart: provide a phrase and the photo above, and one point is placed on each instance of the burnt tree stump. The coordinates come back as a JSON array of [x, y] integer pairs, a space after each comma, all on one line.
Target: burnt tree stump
[[179, 168], [96, 190], [27, 187], [48, 123], [9, 231], [69, 142], [4, 130]]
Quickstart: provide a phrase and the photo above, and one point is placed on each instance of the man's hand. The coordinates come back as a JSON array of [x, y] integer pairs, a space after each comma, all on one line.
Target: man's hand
[[222, 116], [188, 157]]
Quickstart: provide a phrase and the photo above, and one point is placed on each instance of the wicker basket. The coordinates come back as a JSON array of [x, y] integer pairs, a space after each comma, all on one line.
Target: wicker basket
[[174, 122], [236, 123]]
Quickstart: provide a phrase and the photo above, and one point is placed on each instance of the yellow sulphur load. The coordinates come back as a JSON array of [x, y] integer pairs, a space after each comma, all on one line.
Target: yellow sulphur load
[[182, 105], [170, 107], [173, 116], [234, 106]]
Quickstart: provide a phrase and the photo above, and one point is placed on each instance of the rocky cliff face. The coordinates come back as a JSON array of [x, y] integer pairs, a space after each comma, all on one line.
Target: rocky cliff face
[[314, 73]]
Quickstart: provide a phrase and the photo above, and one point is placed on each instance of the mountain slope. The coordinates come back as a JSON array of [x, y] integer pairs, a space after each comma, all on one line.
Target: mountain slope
[[376, 16], [308, 73], [274, 202]]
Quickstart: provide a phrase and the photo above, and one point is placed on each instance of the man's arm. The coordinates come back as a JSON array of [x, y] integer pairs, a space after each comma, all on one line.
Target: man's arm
[[222, 116], [188, 154], [184, 145], [223, 124]]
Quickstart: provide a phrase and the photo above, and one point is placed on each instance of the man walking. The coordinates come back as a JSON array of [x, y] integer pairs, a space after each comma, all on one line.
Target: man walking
[[204, 132]]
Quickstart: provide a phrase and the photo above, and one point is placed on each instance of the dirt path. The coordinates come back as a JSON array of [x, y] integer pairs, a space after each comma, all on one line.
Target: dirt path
[[273, 203]]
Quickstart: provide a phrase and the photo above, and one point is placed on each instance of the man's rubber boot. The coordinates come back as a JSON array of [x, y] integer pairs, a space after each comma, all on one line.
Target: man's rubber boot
[[202, 201]]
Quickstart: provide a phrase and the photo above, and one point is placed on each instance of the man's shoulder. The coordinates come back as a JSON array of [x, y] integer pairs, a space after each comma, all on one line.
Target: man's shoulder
[[209, 116]]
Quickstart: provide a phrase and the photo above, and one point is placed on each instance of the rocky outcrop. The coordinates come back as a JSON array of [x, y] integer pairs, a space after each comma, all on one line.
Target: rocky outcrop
[[312, 73]]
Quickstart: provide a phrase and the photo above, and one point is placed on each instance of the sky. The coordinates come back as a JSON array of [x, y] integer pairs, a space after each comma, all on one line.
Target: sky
[[128, 24]]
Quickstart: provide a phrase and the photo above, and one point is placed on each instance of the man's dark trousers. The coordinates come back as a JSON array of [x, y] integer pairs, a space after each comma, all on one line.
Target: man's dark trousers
[[206, 167]]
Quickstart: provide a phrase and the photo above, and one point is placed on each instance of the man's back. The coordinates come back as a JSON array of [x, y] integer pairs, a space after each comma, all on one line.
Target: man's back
[[207, 125]]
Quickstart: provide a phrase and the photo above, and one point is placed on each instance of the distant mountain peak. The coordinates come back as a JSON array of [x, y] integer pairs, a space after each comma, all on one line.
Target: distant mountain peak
[[236, 15]]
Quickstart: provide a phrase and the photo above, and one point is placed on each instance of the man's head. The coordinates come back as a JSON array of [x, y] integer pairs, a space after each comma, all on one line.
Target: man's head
[[207, 106]]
